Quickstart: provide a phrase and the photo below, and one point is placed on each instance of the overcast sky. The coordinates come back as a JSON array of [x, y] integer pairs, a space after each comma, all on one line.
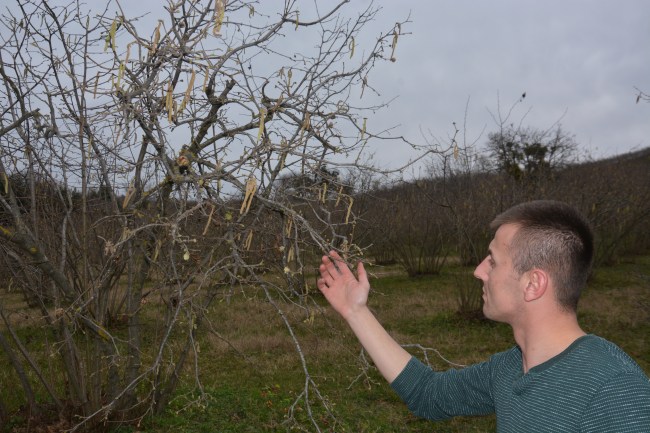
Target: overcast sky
[[578, 62]]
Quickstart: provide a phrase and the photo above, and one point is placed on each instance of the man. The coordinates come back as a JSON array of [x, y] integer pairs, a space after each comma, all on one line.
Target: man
[[557, 378]]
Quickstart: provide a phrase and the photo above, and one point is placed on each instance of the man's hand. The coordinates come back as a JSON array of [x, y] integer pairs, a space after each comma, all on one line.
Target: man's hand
[[348, 295], [341, 288]]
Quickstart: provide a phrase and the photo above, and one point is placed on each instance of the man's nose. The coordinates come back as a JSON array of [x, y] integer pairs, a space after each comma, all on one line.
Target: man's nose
[[479, 272]]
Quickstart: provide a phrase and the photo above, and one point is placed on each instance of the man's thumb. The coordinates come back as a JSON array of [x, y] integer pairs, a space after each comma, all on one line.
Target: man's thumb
[[361, 273]]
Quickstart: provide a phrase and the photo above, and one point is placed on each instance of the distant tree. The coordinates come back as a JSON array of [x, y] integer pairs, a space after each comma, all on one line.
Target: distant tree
[[525, 153], [410, 228]]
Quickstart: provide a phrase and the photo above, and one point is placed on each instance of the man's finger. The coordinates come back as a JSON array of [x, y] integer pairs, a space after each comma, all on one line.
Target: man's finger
[[361, 273], [327, 267], [337, 261]]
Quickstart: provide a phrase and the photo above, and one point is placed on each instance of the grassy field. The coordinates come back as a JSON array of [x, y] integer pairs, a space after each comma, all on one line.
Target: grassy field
[[251, 373], [251, 381]]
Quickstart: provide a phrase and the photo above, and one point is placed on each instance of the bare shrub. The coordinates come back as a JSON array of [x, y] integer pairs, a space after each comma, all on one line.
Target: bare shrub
[[141, 177]]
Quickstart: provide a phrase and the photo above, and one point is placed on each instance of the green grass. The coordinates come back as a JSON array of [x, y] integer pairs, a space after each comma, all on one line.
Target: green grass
[[251, 381], [421, 310]]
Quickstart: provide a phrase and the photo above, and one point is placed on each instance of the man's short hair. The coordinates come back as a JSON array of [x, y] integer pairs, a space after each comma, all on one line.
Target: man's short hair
[[555, 237]]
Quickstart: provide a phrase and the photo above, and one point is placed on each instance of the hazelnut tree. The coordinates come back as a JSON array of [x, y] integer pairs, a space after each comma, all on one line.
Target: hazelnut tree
[[143, 174]]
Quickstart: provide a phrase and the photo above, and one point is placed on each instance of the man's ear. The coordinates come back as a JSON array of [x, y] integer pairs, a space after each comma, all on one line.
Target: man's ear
[[537, 285]]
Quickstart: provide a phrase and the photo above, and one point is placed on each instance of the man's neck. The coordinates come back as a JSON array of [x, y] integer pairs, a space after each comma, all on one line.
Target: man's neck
[[543, 340]]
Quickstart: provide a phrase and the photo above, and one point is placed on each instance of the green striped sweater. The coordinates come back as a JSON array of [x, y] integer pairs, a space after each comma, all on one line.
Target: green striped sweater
[[593, 386]]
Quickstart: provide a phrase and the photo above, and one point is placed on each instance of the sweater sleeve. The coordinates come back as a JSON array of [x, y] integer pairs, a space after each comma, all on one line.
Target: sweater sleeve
[[621, 405], [441, 395]]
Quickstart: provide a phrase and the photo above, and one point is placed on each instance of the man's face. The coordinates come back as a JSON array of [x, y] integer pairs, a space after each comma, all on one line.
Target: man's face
[[503, 295]]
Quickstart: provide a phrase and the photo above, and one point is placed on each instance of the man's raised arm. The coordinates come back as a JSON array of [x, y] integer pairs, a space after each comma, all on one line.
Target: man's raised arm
[[348, 295]]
